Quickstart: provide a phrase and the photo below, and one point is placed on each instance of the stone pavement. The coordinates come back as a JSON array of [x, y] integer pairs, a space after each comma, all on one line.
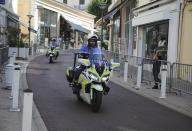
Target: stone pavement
[[180, 103], [12, 121]]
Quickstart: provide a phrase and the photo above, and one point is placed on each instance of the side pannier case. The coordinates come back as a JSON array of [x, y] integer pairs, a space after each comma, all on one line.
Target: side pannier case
[[70, 74]]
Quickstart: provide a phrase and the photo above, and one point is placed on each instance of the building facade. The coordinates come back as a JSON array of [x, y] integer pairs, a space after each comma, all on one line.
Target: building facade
[[157, 24], [53, 19], [7, 23], [185, 31], [78, 4], [121, 30]]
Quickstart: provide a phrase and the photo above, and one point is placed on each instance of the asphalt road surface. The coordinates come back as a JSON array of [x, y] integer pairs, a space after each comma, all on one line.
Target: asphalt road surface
[[121, 110]]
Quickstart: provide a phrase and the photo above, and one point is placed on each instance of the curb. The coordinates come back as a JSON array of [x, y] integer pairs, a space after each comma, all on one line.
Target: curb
[[37, 121], [163, 102]]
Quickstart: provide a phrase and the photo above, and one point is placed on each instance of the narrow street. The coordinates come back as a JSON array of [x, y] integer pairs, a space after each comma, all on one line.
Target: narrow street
[[121, 110]]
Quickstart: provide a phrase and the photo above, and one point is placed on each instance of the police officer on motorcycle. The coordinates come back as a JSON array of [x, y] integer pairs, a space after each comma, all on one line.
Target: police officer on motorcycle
[[53, 45], [90, 48], [92, 45]]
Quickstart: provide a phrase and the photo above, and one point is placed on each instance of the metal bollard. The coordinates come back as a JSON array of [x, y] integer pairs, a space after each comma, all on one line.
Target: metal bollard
[[15, 88], [139, 75], [125, 71], [27, 110], [163, 81], [32, 51], [112, 70]]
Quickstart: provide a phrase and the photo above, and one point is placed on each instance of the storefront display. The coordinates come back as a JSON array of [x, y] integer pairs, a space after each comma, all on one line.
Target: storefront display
[[156, 37], [47, 23]]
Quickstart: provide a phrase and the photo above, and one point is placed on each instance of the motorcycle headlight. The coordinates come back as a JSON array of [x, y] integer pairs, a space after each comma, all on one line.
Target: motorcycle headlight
[[93, 76], [105, 78]]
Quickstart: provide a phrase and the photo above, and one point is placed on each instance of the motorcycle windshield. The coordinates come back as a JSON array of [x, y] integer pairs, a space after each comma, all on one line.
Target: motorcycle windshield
[[95, 58]]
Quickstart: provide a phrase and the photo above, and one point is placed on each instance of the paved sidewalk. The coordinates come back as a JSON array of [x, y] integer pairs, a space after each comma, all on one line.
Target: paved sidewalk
[[12, 121], [180, 103]]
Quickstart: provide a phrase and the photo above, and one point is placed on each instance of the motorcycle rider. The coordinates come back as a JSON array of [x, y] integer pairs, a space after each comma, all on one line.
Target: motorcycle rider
[[92, 45], [53, 44], [90, 48]]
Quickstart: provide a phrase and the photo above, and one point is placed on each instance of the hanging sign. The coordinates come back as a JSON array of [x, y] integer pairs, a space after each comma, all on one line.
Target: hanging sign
[[2, 2]]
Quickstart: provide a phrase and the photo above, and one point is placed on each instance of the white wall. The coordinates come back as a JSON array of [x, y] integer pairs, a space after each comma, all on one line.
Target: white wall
[[15, 6], [3, 24], [143, 2], [73, 3], [9, 5], [3, 18], [23, 52]]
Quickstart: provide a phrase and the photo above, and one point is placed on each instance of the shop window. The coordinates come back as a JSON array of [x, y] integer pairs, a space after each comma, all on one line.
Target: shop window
[[156, 38], [65, 1], [127, 13], [47, 24], [130, 6], [81, 2], [42, 14]]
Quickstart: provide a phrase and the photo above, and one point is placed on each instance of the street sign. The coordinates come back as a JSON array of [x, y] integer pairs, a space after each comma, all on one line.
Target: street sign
[[2, 2], [32, 30]]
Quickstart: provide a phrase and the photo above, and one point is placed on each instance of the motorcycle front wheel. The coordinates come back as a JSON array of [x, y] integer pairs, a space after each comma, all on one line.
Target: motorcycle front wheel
[[50, 59], [96, 101]]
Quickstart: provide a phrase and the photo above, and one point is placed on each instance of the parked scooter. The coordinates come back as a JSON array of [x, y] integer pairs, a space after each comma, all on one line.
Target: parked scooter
[[89, 80]]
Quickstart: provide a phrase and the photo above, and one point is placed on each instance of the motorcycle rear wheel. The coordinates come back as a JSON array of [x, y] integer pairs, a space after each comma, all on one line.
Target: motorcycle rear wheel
[[96, 101]]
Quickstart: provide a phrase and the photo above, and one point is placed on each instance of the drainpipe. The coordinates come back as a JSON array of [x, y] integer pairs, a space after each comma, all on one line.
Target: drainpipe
[[179, 2], [180, 31], [120, 21]]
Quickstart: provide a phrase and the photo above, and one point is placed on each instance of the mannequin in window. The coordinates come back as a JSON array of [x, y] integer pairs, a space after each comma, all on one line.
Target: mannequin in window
[[161, 41]]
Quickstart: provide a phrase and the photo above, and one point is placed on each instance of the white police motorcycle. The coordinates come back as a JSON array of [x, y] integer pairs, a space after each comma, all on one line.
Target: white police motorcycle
[[91, 83]]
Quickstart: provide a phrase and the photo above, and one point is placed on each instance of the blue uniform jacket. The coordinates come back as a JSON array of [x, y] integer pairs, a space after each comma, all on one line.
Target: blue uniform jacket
[[90, 50]]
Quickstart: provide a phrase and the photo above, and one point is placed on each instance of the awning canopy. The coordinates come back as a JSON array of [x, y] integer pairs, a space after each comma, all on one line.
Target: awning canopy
[[76, 26], [20, 22], [112, 12]]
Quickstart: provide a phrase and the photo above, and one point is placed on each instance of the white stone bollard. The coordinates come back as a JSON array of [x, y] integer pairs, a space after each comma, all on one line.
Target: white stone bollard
[[14, 57], [163, 81], [15, 88], [12, 60], [126, 71], [15, 66], [139, 76], [9, 75], [27, 110]]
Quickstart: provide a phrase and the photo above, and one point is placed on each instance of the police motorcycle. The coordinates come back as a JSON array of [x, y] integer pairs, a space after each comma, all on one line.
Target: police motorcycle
[[91, 84], [52, 54]]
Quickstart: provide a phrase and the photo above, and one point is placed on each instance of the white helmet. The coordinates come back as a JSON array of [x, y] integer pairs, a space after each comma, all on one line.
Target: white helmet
[[90, 36]]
